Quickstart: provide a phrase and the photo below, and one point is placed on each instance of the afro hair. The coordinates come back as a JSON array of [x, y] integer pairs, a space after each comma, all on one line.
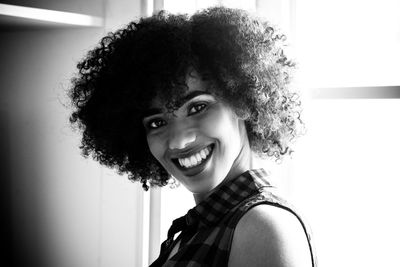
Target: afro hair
[[240, 55]]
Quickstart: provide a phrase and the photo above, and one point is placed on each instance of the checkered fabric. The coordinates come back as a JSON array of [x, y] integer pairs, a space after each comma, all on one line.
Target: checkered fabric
[[207, 229]]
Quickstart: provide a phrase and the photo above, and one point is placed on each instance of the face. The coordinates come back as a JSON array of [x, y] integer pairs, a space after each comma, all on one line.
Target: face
[[200, 144]]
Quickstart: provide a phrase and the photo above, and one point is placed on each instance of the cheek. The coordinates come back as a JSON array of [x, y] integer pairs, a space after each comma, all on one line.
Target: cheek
[[221, 125], [155, 146]]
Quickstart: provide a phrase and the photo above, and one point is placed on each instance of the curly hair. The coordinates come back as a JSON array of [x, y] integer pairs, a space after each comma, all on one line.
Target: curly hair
[[241, 56]]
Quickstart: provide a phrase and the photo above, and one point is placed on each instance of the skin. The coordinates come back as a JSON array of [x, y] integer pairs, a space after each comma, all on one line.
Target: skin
[[201, 121], [264, 236], [269, 236]]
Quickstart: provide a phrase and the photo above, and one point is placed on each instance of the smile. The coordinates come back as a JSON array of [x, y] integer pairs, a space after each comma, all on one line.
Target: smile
[[196, 159]]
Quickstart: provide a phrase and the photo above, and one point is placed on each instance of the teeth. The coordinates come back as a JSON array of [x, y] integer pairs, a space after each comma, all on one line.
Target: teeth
[[195, 159], [198, 157], [187, 162]]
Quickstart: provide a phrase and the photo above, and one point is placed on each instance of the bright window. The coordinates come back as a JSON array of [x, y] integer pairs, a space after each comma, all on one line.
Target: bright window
[[344, 174], [348, 43], [190, 6]]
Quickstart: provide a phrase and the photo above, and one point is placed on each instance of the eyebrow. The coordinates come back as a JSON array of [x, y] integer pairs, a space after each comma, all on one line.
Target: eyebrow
[[153, 111], [190, 96]]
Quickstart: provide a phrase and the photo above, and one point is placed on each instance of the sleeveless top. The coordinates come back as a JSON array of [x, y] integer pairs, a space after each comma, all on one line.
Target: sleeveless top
[[207, 229]]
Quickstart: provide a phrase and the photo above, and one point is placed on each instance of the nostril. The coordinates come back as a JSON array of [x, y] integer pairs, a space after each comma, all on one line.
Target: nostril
[[181, 140]]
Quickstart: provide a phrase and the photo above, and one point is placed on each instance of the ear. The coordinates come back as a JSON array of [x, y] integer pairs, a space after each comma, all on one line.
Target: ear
[[241, 114]]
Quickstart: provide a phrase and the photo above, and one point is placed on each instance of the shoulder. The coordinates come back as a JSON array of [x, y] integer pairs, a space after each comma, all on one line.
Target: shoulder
[[269, 236]]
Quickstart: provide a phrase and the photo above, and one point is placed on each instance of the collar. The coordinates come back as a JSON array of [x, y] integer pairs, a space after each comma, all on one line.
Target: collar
[[212, 209]]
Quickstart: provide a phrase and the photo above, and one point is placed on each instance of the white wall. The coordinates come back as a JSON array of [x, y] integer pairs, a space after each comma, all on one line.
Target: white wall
[[66, 211], [46, 171]]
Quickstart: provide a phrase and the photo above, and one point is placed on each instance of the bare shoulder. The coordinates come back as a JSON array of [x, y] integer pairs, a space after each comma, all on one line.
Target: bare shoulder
[[269, 236]]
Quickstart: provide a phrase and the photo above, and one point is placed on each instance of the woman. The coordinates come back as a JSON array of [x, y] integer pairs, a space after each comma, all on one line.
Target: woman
[[197, 99]]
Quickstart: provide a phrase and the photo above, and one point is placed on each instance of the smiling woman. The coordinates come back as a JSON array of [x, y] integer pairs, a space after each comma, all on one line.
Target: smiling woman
[[198, 99], [201, 143]]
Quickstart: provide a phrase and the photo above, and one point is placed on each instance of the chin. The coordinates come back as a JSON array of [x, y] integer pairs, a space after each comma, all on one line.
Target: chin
[[203, 183]]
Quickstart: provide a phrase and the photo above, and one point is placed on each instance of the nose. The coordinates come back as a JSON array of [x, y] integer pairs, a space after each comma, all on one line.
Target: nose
[[180, 136]]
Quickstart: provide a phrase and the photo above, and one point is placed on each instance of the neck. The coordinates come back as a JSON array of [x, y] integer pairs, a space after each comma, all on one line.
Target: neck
[[245, 161]]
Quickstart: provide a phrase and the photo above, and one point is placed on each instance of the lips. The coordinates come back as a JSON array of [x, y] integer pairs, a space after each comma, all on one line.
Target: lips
[[193, 161]]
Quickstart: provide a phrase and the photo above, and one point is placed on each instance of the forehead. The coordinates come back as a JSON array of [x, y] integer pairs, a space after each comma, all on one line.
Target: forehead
[[195, 86]]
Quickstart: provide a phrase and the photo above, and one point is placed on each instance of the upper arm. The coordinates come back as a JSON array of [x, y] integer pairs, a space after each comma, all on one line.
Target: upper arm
[[269, 236]]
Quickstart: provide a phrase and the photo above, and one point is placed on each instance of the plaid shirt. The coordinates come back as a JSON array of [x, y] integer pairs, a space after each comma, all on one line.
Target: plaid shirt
[[207, 229]]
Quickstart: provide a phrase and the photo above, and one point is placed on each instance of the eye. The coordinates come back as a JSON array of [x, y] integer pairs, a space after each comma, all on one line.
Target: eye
[[156, 123], [196, 108]]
